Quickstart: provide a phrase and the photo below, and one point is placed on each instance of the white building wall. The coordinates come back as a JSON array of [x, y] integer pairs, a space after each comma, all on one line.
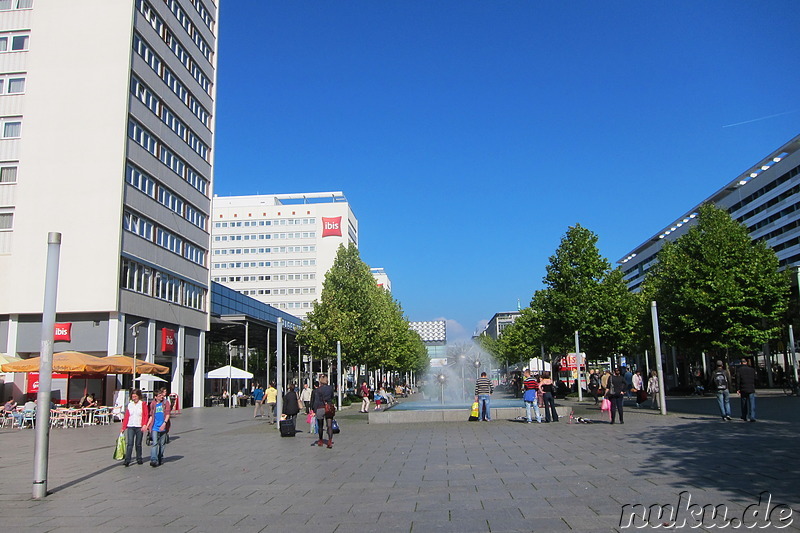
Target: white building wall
[[286, 292]]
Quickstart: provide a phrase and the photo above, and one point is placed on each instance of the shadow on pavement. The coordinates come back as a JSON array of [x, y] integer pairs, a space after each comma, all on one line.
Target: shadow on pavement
[[84, 478], [742, 459]]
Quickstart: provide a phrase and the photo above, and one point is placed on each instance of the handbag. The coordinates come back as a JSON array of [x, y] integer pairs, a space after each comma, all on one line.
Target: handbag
[[334, 426], [149, 440], [330, 410], [119, 449], [310, 417], [605, 405]]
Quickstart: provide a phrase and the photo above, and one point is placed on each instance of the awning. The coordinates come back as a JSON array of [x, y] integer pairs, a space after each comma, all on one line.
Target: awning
[[228, 371]]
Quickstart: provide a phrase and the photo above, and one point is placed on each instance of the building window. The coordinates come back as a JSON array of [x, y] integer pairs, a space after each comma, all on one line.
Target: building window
[[12, 127], [6, 5], [142, 137], [170, 200], [140, 180], [14, 42], [195, 254], [138, 225], [8, 172], [6, 221], [12, 84], [169, 241]]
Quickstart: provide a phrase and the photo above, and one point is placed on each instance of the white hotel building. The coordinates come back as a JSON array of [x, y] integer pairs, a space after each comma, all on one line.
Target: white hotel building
[[277, 248], [106, 117]]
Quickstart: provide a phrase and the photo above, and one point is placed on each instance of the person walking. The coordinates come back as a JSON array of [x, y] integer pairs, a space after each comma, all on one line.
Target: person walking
[[639, 388], [158, 425], [746, 387], [271, 395], [136, 417], [323, 395], [548, 390], [530, 392], [594, 384], [258, 398], [720, 383], [363, 391], [653, 390], [483, 394], [291, 403], [305, 397], [628, 375], [617, 386]]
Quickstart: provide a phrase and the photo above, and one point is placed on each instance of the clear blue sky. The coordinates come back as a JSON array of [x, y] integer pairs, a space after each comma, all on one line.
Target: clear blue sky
[[469, 134]]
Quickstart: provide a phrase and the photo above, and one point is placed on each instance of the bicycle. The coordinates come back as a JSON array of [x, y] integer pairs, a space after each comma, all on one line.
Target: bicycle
[[790, 386]]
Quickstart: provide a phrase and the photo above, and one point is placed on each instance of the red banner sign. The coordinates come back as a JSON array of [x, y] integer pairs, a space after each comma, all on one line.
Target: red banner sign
[[331, 226], [167, 340], [63, 331], [33, 381]]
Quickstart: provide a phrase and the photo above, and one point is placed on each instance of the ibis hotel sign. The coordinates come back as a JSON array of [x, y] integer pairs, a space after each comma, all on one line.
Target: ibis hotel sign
[[331, 226], [63, 331], [167, 340]]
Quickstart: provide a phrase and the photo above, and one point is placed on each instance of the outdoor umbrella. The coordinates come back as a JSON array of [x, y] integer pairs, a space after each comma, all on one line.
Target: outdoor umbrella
[[229, 371], [147, 378], [142, 367], [68, 362], [5, 358]]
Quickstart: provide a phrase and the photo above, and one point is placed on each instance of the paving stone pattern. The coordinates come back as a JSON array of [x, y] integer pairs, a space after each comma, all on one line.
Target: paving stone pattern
[[225, 471]]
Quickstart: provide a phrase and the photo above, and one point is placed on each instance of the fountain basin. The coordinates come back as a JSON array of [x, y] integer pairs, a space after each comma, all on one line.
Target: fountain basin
[[416, 412]]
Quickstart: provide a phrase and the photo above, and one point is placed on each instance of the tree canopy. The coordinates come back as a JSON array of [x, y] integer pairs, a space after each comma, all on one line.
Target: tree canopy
[[367, 320], [717, 289]]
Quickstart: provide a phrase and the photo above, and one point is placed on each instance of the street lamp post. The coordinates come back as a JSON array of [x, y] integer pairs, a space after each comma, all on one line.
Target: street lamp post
[[442, 378], [230, 365], [135, 334]]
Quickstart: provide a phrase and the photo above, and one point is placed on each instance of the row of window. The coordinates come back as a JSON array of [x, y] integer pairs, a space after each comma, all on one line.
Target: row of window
[[169, 39], [149, 230], [266, 236], [772, 202], [14, 41], [269, 277], [276, 222], [204, 13], [143, 93], [288, 262], [6, 221], [273, 250], [167, 76], [765, 189], [277, 292], [152, 188], [12, 84], [146, 140], [187, 25], [7, 5], [151, 282]]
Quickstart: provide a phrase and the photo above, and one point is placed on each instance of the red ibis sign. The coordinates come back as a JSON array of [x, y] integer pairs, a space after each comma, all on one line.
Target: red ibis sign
[[63, 331], [331, 226], [167, 340]]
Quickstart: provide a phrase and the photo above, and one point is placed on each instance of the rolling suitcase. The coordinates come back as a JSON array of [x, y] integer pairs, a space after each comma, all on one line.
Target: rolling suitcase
[[287, 427]]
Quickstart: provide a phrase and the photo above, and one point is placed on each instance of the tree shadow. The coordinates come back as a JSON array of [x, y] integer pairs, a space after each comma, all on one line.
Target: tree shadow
[[738, 458], [83, 478]]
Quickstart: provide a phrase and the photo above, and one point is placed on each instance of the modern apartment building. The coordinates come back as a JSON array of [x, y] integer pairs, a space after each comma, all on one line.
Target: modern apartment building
[[107, 120], [765, 198], [381, 278], [499, 322], [277, 248]]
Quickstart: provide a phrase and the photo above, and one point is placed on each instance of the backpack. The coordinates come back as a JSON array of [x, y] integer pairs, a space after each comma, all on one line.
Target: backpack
[[720, 381]]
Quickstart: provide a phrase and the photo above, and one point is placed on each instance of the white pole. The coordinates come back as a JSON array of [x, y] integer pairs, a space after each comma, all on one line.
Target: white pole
[[339, 371], [580, 364], [41, 448], [657, 340], [279, 404], [792, 350]]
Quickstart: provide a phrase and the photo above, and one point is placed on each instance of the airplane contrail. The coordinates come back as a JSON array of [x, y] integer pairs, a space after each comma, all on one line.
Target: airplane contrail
[[761, 118]]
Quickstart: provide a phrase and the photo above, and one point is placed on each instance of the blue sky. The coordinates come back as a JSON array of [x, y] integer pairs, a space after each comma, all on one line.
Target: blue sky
[[468, 135]]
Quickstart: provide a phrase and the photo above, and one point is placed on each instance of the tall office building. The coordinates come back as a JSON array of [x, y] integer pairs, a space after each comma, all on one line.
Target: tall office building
[[277, 248], [765, 198], [106, 116]]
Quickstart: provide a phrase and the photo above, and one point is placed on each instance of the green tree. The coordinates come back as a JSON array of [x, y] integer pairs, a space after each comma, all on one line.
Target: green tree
[[717, 289], [582, 293]]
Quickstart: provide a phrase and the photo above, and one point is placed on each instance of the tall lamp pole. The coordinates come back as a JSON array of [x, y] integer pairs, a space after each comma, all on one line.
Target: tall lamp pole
[[135, 334], [230, 365]]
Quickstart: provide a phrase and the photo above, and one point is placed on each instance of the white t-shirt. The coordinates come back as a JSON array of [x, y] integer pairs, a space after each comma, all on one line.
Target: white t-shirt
[[135, 416]]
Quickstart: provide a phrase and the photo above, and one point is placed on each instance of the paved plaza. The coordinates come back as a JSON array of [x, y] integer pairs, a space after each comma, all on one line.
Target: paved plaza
[[225, 471]]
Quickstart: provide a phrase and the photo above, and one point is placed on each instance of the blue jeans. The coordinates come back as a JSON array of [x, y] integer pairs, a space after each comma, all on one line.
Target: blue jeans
[[133, 436], [748, 405], [724, 401], [550, 407], [483, 407], [535, 405], [157, 450]]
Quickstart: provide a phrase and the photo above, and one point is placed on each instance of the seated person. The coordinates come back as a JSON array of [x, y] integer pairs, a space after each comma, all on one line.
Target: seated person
[[10, 408], [398, 390], [88, 401]]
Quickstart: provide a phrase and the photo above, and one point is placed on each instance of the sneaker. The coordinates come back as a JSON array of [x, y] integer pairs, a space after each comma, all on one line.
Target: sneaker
[[752, 420], [139, 461], [320, 442], [330, 444], [153, 464], [126, 465], [728, 418]]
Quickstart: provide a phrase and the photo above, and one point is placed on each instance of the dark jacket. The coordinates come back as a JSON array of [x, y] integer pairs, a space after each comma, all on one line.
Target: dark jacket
[[617, 386], [290, 405], [321, 395], [746, 379]]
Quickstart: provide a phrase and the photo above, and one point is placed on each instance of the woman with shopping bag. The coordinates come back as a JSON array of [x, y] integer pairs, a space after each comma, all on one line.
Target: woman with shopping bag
[[136, 417]]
